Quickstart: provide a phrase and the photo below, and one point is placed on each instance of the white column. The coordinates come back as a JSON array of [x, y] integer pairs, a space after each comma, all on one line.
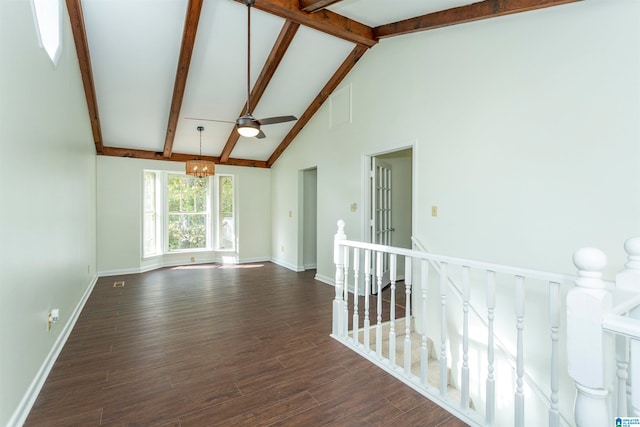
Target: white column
[[464, 395], [444, 278], [519, 395], [356, 277], [392, 310], [424, 349], [337, 327], [345, 286], [491, 382], [554, 321], [407, 318], [589, 349]]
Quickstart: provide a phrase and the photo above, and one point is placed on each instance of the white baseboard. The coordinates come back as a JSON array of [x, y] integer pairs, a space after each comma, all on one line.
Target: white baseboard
[[22, 411], [144, 269], [288, 265], [325, 279]]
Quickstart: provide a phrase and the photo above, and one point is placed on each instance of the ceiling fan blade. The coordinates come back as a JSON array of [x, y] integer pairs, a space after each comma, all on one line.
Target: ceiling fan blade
[[261, 135], [273, 120], [208, 120]]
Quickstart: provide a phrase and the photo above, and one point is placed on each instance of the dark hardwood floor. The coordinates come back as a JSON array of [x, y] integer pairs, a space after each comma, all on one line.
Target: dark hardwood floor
[[219, 345]]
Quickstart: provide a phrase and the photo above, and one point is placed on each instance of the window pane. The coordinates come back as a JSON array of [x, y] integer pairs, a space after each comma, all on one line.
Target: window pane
[[149, 233], [149, 229], [187, 194], [187, 231], [226, 225], [149, 191]]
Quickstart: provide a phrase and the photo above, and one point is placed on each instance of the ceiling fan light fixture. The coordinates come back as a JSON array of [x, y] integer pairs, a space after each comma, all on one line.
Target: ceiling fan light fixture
[[248, 131], [247, 126], [198, 167]]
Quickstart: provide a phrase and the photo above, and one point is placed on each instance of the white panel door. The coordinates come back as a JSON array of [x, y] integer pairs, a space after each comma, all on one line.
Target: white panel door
[[381, 220]]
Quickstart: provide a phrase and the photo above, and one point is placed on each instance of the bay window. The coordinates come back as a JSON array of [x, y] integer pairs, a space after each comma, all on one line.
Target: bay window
[[183, 213]]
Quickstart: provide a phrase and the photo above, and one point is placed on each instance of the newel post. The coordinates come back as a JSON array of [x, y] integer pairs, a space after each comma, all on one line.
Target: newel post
[[588, 347], [629, 279], [338, 259]]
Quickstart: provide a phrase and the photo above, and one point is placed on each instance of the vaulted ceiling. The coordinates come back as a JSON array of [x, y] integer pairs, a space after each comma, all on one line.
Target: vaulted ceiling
[[155, 70]]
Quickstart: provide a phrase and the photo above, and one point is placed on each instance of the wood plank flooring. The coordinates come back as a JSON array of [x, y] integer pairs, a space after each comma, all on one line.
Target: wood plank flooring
[[209, 345]]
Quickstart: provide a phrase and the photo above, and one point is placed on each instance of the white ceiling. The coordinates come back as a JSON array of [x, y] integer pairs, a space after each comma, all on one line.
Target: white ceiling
[[379, 12], [134, 48]]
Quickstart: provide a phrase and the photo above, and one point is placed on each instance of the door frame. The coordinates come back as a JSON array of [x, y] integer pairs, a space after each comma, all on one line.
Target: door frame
[[365, 189], [365, 193], [303, 216]]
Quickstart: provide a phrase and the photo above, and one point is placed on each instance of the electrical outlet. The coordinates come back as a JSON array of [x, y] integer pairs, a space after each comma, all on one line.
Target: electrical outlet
[[282, 248], [193, 259], [53, 317], [434, 211]]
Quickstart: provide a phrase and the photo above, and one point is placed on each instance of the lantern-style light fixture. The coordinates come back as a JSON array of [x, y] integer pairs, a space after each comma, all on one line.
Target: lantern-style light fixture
[[199, 167]]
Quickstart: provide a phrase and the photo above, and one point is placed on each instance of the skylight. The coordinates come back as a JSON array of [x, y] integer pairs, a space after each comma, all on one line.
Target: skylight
[[47, 17]]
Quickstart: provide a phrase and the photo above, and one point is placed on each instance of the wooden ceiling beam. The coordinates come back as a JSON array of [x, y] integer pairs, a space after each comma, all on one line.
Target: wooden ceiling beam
[[459, 15], [327, 90], [280, 47], [74, 9], [176, 157], [192, 18], [312, 6], [325, 21]]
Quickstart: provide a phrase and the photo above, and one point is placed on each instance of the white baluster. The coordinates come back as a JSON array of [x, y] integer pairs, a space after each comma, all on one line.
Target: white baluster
[[464, 395], [356, 277], [379, 306], [345, 275], [622, 365], [337, 259], [491, 383], [424, 351], [407, 318], [519, 395], [443, 328], [392, 310], [367, 296], [554, 321], [587, 345], [629, 279]]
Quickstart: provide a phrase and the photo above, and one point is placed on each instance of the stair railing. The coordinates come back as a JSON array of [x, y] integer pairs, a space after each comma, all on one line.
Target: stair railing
[[603, 331], [348, 255], [556, 417]]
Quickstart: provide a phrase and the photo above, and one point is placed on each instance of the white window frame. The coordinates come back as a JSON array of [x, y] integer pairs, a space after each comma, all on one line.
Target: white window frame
[[208, 213], [218, 232], [158, 214], [162, 214]]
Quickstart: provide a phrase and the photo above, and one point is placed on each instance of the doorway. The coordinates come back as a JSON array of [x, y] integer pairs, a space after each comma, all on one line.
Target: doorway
[[309, 223], [389, 202]]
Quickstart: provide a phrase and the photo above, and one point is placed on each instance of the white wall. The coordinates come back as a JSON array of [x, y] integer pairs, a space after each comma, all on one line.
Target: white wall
[[119, 218], [527, 137], [47, 203]]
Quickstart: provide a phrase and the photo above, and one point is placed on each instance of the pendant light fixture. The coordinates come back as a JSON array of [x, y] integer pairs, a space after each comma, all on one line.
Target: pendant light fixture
[[199, 167]]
